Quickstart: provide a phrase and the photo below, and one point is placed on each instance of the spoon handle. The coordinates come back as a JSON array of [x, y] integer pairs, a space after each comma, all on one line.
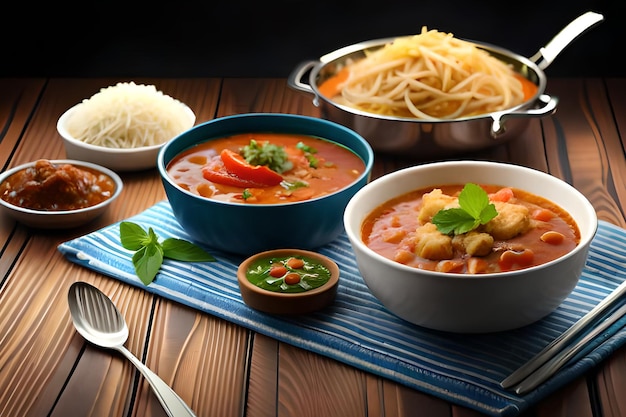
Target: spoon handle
[[173, 405]]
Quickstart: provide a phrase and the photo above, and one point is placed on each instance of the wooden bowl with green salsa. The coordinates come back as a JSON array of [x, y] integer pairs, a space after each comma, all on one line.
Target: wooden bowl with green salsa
[[288, 281]]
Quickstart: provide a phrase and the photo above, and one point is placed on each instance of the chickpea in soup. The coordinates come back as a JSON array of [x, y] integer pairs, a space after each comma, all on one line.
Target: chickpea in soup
[[265, 168], [524, 230]]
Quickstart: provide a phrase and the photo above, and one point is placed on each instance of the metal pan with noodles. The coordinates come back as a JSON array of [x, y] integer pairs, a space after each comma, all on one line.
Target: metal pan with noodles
[[434, 137]]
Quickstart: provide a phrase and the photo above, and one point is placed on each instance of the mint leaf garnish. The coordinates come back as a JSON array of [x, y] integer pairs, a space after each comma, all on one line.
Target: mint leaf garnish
[[150, 252], [182, 250], [147, 262], [474, 209], [272, 156]]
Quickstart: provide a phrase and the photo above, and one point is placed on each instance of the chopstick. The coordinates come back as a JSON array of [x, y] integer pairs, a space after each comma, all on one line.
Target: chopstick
[[550, 367], [551, 351]]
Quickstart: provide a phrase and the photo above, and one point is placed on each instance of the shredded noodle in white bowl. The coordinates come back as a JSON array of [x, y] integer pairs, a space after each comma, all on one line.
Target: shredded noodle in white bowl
[[123, 126], [128, 115]]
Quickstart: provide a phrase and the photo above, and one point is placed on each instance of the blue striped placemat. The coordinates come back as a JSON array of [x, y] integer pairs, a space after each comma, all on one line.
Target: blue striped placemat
[[357, 330]]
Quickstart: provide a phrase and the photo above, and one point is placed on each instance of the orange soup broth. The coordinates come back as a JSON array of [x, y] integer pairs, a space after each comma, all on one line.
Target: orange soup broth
[[338, 168], [390, 228]]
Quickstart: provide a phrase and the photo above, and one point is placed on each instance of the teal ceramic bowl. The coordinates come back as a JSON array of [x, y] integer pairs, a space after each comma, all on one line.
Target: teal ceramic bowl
[[246, 229]]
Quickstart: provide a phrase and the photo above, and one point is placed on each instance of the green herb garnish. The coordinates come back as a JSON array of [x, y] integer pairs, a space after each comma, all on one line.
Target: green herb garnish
[[272, 156], [246, 194], [474, 209], [293, 185], [309, 153], [149, 252]]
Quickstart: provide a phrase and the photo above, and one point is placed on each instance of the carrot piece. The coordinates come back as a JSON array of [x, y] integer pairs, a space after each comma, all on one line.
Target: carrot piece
[[403, 256], [393, 235], [277, 271], [448, 265], [503, 195], [292, 278], [543, 215], [476, 265], [295, 263]]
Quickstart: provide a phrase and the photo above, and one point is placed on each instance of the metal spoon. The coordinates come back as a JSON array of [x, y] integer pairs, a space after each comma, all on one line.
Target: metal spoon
[[98, 320]]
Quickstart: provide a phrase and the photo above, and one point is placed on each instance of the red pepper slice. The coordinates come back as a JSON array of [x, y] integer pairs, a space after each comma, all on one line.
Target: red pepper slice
[[260, 174], [215, 171]]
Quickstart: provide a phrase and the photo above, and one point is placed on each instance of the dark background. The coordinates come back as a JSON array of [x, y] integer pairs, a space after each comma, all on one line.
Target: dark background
[[269, 38]]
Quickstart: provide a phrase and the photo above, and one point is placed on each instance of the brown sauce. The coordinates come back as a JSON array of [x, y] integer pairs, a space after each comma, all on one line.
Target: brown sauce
[[56, 187]]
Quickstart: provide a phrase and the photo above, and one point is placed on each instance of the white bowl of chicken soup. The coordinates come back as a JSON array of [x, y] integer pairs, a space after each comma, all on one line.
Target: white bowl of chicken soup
[[470, 246]]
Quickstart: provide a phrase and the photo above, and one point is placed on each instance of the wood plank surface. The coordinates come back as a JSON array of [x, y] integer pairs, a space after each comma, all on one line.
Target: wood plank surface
[[218, 368]]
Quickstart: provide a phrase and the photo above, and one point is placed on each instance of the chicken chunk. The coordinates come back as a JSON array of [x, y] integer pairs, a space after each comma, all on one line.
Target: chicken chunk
[[512, 220], [431, 244], [473, 243], [433, 202], [48, 186]]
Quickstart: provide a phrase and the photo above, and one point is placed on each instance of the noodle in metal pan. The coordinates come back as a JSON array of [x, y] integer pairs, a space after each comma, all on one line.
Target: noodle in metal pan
[[430, 76]]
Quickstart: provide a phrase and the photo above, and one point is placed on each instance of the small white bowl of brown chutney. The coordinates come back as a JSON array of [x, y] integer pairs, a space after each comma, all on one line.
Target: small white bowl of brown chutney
[[57, 194]]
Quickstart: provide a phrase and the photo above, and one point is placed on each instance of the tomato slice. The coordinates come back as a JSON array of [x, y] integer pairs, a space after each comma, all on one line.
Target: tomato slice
[[237, 165], [215, 171]]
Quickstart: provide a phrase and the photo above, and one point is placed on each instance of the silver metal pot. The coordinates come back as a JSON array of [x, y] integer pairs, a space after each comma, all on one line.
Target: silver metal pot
[[427, 139]]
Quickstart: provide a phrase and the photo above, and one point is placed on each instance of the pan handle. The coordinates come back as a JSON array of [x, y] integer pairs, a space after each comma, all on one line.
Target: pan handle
[[295, 77], [570, 32], [548, 107]]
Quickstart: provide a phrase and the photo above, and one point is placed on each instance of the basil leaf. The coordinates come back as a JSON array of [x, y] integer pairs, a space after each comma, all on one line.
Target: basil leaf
[[149, 252], [454, 220], [154, 239], [147, 262], [182, 250], [488, 213], [132, 236], [473, 199], [475, 209]]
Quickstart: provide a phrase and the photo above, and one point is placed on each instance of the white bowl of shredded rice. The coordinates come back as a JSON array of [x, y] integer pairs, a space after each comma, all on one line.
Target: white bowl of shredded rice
[[122, 127]]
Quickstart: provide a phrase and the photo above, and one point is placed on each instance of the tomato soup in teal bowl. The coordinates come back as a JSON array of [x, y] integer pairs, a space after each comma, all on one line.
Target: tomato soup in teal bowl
[[253, 182]]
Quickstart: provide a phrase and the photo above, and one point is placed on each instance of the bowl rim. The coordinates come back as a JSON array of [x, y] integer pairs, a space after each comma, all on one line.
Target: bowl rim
[[369, 164], [119, 185], [65, 135], [356, 239]]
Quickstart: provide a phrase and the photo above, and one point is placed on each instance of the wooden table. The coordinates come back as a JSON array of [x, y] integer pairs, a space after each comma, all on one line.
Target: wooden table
[[218, 368]]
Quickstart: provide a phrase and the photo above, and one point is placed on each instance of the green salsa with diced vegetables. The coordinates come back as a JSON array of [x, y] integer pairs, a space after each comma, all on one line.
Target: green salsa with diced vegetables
[[288, 274]]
